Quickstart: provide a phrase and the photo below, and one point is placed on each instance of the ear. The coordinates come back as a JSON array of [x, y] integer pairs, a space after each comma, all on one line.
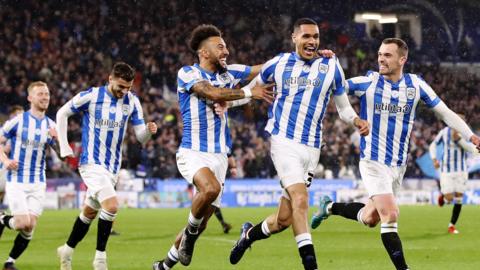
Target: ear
[[294, 37], [29, 98], [110, 79], [403, 60]]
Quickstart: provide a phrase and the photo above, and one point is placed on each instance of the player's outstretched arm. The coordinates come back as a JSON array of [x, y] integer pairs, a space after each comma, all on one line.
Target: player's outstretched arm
[[348, 114], [62, 126], [456, 122], [218, 94], [144, 132]]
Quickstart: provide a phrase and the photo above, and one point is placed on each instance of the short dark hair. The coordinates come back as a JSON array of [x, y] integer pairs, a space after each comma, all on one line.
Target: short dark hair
[[302, 21], [201, 33], [402, 45], [124, 71]]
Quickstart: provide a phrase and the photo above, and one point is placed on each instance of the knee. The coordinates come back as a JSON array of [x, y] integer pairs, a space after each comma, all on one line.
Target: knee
[[299, 202], [283, 223], [371, 221], [110, 206], [390, 216], [212, 191]]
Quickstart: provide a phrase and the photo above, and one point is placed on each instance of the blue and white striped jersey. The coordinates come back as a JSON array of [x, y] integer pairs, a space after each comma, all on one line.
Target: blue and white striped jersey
[[29, 138], [104, 124], [203, 130], [303, 90], [454, 156], [390, 109]]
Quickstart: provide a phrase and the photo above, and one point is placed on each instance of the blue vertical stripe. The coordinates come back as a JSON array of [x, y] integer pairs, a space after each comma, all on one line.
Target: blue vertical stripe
[[98, 116], [377, 101], [23, 148], [448, 149], [318, 130], [218, 126], [392, 121], [184, 100], [33, 161], [463, 159], [85, 137], [312, 106], [202, 115], [287, 73], [42, 162], [297, 102], [455, 160], [108, 143], [121, 133], [406, 122], [364, 116]]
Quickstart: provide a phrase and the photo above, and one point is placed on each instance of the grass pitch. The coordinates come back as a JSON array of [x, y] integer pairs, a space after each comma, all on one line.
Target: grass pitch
[[146, 235]]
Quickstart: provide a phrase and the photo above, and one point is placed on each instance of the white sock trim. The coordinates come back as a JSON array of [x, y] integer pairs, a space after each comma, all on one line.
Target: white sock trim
[[11, 224], [329, 208], [84, 219], [105, 215], [26, 235], [265, 229], [303, 239], [173, 254], [193, 221], [389, 227], [359, 216], [458, 200], [10, 259]]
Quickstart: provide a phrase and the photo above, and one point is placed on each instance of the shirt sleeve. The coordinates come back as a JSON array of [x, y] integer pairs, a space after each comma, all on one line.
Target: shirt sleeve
[[9, 129], [339, 79], [51, 124], [358, 85], [427, 94], [81, 101], [268, 70], [240, 72], [188, 77], [137, 113]]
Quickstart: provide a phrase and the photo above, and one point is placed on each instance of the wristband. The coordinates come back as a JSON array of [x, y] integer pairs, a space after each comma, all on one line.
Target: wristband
[[247, 92]]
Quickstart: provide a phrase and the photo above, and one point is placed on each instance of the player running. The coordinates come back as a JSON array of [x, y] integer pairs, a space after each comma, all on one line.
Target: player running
[[106, 111], [389, 100]]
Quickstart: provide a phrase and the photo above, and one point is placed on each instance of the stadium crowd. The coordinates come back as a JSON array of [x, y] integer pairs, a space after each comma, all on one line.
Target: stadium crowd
[[73, 47]]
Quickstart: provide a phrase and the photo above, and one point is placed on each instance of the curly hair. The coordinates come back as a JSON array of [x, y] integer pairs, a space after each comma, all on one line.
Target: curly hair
[[201, 33]]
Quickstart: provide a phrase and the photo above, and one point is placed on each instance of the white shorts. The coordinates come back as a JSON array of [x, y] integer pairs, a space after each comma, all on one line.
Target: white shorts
[[453, 182], [100, 184], [190, 161], [293, 161], [25, 198], [379, 178]]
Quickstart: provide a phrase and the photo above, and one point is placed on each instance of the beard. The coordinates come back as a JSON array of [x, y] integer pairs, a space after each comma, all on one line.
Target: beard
[[221, 69]]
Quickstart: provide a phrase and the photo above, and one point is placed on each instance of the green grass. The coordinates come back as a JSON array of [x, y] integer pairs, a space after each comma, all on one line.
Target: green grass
[[146, 235]]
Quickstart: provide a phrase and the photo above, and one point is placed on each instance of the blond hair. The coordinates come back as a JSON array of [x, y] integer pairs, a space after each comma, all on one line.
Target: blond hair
[[35, 84]]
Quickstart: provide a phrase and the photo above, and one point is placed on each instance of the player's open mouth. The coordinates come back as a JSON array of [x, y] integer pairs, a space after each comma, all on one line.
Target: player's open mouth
[[223, 61], [309, 50]]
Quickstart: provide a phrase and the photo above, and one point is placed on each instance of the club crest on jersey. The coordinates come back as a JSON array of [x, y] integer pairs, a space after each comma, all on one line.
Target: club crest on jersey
[[113, 109], [322, 68], [225, 78], [306, 68], [411, 92], [125, 109]]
